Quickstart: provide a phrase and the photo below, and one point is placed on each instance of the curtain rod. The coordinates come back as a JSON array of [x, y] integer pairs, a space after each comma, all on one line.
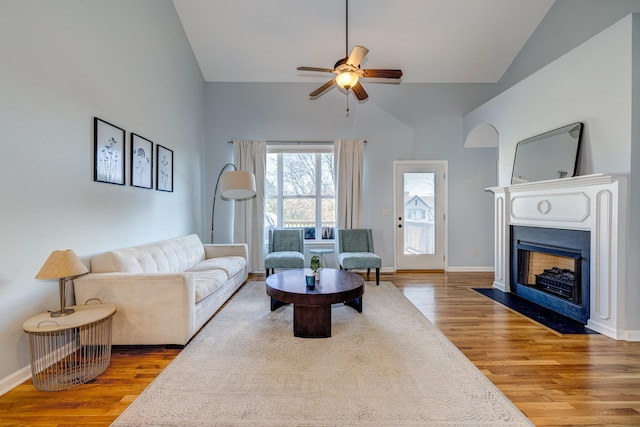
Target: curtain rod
[[299, 141]]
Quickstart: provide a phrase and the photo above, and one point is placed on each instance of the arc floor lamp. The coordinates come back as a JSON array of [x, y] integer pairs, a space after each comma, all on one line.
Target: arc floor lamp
[[234, 185]]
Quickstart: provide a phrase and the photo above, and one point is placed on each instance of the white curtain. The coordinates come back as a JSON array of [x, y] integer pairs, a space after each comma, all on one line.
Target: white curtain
[[349, 159], [249, 214]]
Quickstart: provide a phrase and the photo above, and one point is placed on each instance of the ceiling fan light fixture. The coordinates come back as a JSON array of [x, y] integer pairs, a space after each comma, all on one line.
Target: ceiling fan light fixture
[[347, 79], [348, 72]]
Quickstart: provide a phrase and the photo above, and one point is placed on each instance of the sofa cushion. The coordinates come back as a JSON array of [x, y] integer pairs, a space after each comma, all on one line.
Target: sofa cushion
[[207, 282], [168, 256], [230, 265]]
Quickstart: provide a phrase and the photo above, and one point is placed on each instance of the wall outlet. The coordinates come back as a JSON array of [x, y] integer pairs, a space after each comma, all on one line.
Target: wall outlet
[[474, 252], [386, 212]]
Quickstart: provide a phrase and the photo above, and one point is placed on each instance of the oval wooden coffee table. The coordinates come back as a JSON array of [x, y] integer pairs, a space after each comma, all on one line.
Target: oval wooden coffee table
[[312, 306]]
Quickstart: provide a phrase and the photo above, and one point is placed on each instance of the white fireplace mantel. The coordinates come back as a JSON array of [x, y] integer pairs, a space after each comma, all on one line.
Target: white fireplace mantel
[[596, 203]]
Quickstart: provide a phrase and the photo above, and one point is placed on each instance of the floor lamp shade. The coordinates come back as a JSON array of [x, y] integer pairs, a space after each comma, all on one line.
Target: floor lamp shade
[[234, 185], [237, 185]]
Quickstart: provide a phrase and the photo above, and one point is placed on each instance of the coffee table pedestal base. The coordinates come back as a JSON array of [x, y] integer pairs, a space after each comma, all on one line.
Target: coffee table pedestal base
[[312, 321]]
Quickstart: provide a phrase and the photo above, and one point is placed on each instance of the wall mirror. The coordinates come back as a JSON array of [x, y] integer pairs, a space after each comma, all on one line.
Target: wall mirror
[[551, 155]]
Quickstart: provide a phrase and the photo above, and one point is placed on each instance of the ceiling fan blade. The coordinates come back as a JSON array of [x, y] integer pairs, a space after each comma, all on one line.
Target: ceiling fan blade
[[322, 88], [357, 55], [359, 92], [322, 70], [383, 74]]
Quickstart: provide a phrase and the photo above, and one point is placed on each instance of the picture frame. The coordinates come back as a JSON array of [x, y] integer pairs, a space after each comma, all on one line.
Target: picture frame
[[164, 169], [141, 162], [109, 152]]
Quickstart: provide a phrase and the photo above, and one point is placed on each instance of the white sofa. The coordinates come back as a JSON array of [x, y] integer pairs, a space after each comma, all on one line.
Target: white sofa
[[164, 291]]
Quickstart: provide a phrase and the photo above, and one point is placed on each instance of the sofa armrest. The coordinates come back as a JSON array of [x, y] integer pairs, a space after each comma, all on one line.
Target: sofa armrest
[[157, 308], [219, 250]]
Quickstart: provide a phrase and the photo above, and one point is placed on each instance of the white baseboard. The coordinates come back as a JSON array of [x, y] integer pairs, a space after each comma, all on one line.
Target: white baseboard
[[14, 380], [499, 286], [392, 270], [604, 330], [632, 335], [469, 269], [622, 334]]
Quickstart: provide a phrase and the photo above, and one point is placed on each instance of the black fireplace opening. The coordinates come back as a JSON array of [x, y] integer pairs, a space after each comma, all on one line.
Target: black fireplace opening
[[550, 267], [550, 270]]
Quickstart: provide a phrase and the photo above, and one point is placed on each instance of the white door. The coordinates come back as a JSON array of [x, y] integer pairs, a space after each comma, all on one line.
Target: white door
[[420, 214]]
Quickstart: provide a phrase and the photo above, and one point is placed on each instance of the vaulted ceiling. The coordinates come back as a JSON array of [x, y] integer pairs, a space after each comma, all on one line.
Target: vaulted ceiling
[[454, 41]]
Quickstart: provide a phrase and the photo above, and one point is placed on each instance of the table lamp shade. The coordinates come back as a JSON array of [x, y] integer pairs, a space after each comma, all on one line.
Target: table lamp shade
[[237, 185], [62, 264]]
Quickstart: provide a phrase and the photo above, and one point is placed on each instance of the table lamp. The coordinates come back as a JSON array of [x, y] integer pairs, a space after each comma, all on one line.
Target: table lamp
[[62, 265]]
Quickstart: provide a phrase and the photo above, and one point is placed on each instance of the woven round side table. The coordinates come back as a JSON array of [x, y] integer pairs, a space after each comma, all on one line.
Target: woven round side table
[[70, 350]]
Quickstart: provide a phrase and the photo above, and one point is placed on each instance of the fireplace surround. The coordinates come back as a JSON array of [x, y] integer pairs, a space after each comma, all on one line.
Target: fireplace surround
[[596, 204]]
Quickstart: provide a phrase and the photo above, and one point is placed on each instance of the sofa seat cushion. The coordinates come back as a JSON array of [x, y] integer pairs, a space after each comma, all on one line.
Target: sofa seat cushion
[[207, 282], [230, 265]]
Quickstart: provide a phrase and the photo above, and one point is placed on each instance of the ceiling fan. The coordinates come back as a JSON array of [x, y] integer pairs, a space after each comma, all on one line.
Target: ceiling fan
[[348, 71]]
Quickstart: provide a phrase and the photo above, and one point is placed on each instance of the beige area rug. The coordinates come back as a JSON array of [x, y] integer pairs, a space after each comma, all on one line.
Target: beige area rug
[[388, 366]]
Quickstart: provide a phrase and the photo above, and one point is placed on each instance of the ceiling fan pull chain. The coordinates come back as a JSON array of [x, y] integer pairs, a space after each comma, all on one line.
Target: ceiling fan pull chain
[[347, 103]]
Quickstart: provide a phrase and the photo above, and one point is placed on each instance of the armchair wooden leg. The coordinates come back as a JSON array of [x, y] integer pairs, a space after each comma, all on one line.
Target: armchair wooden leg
[[266, 272], [368, 271], [377, 276]]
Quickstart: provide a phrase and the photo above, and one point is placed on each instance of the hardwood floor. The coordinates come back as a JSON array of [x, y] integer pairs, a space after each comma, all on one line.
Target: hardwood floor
[[556, 380]]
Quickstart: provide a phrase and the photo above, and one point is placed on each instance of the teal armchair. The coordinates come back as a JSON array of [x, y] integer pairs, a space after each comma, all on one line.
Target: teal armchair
[[286, 249], [355, 250]]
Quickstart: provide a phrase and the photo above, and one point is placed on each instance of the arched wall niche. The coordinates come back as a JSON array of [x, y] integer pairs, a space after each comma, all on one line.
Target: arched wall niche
[[483, 135]]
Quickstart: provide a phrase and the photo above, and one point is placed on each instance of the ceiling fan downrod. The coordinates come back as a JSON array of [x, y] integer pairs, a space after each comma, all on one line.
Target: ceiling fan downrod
[[346, 45], [346, 37]]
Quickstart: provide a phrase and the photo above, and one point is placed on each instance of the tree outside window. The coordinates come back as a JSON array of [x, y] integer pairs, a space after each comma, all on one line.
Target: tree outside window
[[300, 191]]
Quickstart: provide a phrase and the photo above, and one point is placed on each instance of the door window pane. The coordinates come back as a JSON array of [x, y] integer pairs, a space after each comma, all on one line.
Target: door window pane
[[419, 209]]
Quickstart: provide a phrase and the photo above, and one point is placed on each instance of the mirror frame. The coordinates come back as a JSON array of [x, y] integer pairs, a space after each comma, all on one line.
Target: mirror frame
[[546, 137]]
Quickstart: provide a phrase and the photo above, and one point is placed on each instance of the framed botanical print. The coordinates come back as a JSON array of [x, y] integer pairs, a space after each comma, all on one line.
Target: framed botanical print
[[141, 162], [109, 152], [164, 169]]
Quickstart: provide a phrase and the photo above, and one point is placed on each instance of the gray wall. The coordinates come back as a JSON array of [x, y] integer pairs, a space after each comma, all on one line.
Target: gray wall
[[596, 83], [633, 268], [591, 84], [406, 121], [567, 24], [64, 62]]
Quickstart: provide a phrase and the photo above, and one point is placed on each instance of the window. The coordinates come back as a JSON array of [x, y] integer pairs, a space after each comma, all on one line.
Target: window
[[300, 190]]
